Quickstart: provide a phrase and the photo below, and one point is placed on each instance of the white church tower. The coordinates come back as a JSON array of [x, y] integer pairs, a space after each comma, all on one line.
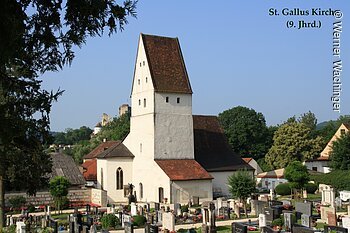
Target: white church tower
[[161, 124]]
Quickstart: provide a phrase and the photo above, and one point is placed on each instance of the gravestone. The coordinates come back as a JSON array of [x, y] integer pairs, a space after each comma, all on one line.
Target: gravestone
[[267, 229], [324, 210], [128, 227], [260, 207], [20, 227], [168, 221], [151, 228], [133, 209], [156, 206], [71, 227], [237, 210], [195, 200], [270, 215], [253, 205], [302, 229], [286, 202], [262, 220], [288, 220], [335, 229], [159, 216], [346, 222], [331, 219], [238, 228], [327, 194], [93, 229], [305, 220], [304, 208], [274, 203]]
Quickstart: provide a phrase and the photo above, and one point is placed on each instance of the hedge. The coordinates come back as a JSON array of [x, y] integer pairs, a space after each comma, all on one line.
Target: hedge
[[283, 189], [311, 188]]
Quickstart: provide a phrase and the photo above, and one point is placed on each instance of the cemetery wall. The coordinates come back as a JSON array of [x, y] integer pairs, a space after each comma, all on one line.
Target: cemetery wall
[[184, 190], [75, 196]]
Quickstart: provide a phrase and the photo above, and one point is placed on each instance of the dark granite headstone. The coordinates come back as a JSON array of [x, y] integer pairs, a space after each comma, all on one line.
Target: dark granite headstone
[[335, 229], [238, 228], [153, 228], [156, 206], [88, 208], [195, 200], [71, 227], [274, 203], [268, 230], [302, 229], [270, 215]]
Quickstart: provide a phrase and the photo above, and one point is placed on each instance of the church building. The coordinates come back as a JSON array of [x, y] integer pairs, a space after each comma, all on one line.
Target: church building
[[169, 155]]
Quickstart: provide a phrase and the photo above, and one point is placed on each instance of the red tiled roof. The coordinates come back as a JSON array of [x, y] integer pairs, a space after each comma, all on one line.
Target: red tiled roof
[[247, 160], [183, 169], [90, 170], [99, 149], [166, 64], [279, 173]]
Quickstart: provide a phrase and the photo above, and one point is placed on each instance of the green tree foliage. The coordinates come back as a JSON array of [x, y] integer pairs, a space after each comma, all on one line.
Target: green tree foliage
[[241, 185], [39, 36], [327, 129], [297, 175], [338, 179], [340, 154], [246, 131], [17, 202], [117, 129], [311, 188], [309, 119], [59, 190], [293, 141], [109, 221], [72, 136]]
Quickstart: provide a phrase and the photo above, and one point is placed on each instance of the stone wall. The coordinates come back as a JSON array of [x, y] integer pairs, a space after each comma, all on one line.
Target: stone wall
[[75, 196]]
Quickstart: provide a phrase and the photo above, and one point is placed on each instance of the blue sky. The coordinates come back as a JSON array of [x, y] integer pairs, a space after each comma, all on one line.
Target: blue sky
[[235, 54]]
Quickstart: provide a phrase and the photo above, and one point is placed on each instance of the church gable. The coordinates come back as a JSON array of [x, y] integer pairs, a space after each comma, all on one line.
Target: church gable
[[211, 148], [166, 64]]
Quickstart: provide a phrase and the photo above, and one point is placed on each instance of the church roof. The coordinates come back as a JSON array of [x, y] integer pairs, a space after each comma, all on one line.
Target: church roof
[[64, 165], [99, 149], [279, 173], [183, 169], [211, 148], [116, 150], [90, 170], [166, 64]]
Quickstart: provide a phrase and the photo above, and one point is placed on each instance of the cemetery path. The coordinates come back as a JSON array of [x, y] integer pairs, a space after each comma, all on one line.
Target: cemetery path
[[189, 226]]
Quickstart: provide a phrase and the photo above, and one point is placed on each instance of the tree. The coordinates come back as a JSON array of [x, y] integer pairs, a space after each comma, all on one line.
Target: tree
[[39, 36], [297, 175], [246, 131], [309, 119], [293, 142], [72, 136], [340, 154], [241, 185], [59, 190]]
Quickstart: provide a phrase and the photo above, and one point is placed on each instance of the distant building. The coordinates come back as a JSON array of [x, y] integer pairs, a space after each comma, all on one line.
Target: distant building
[[321, 164], [271, 179], [254, 165], [123, 109]]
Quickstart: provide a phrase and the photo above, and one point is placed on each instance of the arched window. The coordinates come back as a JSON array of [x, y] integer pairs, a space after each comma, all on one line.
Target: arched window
[[141, 190], [161, 194], [101, 178], [119, 178]]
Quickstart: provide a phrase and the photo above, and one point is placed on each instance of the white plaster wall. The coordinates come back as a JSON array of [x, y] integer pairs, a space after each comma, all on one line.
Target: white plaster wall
[[173, 127], [182, 191], [270, 183], [220, 182], [101, 164], [321, 166]]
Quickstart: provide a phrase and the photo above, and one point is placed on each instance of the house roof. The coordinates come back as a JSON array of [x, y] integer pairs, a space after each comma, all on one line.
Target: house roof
[[279, 173], [183, 169], [64, 165], [90, 170], [247, 160], [211, 148], [116, 150], [347, 126], [99, 149], [166, 64]]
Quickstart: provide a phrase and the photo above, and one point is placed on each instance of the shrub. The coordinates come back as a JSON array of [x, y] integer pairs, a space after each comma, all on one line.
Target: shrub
[[311, 188], [139, 220], [283, 189], [184, 208], [277, 222], [17, 202], [109, 221]]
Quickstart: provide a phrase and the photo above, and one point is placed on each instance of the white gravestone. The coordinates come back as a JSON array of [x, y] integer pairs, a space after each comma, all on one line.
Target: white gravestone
[[346, 222], [262, 220], [133, 209], [21, 227], [168, 220]]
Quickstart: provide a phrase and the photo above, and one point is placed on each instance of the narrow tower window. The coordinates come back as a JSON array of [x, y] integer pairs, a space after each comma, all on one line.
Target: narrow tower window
[[119, 178], [167, 99], [144, 102], [144, 63], [146, 79], [139, 102], [178, 100], [138, 81]]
